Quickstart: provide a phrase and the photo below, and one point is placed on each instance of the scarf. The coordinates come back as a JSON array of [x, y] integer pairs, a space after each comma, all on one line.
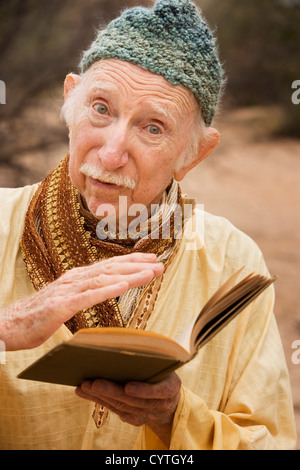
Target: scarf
[[60, 234]]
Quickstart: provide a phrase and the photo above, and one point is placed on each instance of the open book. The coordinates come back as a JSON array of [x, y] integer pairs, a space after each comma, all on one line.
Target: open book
[[124, 354]]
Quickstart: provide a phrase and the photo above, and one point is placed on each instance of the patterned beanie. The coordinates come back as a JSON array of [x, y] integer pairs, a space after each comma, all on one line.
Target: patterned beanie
[[170, 39]]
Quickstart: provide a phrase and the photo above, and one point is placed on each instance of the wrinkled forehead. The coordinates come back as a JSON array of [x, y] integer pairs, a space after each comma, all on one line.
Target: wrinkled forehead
[[122, 78]]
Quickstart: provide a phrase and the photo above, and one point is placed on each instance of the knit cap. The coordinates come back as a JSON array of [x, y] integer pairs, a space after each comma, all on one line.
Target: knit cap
[[171, 39]]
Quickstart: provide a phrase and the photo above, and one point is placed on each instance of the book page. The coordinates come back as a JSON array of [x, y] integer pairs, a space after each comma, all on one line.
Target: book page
[[129, 339], [228, 308], [185, 339]]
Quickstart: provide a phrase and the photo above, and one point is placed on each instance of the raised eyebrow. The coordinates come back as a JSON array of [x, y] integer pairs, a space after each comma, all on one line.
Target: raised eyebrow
[[104, 87], [160, 112]]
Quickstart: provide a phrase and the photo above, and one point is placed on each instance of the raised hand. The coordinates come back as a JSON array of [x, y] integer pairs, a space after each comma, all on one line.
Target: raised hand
[[31, 321]]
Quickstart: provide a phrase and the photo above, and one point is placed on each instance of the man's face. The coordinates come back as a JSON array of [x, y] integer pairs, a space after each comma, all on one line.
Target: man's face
[[131, 123]]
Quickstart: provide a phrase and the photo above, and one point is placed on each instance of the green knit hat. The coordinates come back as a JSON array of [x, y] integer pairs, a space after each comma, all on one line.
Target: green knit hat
[[170, 39]]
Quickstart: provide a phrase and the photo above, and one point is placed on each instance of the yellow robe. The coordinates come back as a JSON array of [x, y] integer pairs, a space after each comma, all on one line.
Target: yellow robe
[[235, 393]]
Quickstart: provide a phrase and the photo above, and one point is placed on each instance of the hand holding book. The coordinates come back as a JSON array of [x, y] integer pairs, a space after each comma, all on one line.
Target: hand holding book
[[125, 354]]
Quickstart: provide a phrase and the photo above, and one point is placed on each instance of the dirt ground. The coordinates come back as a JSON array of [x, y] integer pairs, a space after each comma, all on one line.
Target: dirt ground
[[253, 180]]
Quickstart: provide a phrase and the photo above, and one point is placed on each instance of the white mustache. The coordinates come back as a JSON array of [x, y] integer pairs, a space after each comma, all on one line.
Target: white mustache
[[107, 176]]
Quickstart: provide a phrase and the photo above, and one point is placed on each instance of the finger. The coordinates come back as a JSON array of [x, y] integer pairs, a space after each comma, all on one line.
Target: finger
[[112, 392], [111, 395], [110, 267], [130, 409], [134, 257], [65, 302], [130, 416], [115, 397], [129, 258], [127, 268], [71, 304], [167, 388], [134, 280], [88, 298], [90, 391]]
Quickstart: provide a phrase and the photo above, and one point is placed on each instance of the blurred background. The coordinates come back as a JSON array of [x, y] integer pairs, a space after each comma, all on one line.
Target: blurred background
[[253, 176]]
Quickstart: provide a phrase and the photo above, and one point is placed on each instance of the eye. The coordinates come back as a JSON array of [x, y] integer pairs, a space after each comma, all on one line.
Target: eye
[[154, 129], [100, 108]]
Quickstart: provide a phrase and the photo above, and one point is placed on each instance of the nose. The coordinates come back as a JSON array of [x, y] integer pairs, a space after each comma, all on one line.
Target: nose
[[113, 153]]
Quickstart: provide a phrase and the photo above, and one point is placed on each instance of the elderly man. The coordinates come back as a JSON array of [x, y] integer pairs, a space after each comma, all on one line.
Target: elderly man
[[139, 117]]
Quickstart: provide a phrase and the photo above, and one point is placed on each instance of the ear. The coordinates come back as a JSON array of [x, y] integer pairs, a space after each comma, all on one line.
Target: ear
[[71, 81], [204, 150]]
